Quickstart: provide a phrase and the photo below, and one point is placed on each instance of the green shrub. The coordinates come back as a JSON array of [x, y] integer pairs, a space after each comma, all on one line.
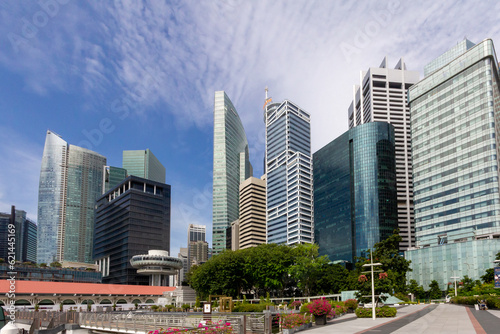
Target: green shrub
[[249, 307], [304, 308], [351, 304], [402, 296], [381, 312], [339, 307]]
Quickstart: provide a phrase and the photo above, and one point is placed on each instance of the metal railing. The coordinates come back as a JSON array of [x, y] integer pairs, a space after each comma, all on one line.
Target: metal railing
[[57, 318], [144, 323]]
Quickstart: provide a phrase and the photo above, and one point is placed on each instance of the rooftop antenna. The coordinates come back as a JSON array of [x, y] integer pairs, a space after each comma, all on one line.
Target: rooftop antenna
[[267, 100]]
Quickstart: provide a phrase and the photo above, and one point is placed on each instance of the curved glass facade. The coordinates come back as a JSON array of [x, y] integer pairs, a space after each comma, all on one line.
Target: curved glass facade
[[231, 167], [70, 183], [355, 197]]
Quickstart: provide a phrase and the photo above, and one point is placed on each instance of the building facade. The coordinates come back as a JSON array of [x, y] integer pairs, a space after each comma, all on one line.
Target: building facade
[[196, 241], [355, 192], [252, 222], [143, 163], [381, 96], [70, 182], [131, 219], [231, 167], [455, 115], [112, 176], [25, 234], [289, 192], [183, 256]]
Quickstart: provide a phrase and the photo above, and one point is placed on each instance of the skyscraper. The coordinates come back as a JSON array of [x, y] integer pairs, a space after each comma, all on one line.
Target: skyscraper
[[197, 251], [131, 219], [381, 96], [231, 167], [252, 222], [143, 163], [355, 198], [455, 117], [25, 233], [70, 182], [289, 174], [112, 176]]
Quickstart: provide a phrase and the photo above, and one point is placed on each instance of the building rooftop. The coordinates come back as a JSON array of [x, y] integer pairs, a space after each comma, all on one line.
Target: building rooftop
[[62, 288]]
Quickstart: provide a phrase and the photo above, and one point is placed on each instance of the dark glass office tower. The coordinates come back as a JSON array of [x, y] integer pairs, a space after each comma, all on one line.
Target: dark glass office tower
[[131, 219], [355, 197]]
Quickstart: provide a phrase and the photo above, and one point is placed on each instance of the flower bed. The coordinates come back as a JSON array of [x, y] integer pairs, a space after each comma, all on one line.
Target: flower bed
[[293, 320], [220, 327], [380, 312]]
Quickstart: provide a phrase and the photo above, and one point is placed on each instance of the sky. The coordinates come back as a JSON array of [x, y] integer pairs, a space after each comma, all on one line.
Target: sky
[[128, 75]]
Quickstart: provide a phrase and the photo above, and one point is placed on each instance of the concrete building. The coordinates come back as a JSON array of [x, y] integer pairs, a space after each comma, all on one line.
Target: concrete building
[[381, 96], [131, 219], [231, 167], [70, 182], [197, 251], [355, 197], [289, 192], [157, 265], [183, 256], [455, 112], [252, 222], [143, 163]]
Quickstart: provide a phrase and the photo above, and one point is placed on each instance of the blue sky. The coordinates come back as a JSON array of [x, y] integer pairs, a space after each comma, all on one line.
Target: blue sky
[[149, 70]]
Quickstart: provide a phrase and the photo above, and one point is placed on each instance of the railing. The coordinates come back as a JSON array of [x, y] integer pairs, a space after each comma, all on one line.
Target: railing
[[54, 317], [144, 323]]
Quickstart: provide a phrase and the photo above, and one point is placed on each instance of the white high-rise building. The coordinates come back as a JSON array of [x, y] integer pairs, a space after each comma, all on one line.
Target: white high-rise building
[[381, 96], [288, 160]]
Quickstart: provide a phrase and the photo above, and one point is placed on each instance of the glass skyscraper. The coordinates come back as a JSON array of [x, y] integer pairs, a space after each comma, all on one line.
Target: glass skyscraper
[[288, 164], [25, 234], [455, 117], [231, 167], [112, 176], [381, 96], [355, 197], [70, 182], [143, 163]]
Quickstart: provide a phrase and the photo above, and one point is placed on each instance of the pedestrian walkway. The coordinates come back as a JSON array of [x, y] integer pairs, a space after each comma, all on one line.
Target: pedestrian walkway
[[434, 318]]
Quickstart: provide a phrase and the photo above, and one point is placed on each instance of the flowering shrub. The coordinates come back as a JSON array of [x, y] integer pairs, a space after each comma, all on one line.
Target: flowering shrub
[[351, 304], [339, 307], [382, 276], [289, 321], [295, 303], [320, 307], [362, 278]]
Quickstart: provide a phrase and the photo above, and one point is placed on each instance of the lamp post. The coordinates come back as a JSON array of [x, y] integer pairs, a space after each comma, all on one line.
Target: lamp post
[[371, 265], [455, 277]]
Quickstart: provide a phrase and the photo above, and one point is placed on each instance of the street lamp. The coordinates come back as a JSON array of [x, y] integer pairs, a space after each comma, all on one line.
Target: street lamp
[[371, 265], [455, 277]]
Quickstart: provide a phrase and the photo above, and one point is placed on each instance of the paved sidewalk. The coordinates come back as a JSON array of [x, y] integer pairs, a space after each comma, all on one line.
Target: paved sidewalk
[[435, 318]]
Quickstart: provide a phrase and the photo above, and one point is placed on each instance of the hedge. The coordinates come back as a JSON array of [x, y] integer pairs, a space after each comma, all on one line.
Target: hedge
[[493, 302], [381, 312], [249, 307]]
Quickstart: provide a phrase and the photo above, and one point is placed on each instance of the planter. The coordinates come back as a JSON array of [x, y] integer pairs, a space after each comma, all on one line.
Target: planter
[[289, 331], [320, 320]]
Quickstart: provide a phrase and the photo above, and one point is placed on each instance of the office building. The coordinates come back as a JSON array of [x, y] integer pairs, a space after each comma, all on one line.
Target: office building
[[355, 196], [143, 163], [183, 256], [252, 222], [70, 182], [231, 167], [455, 112], [381, 96], [235, 235], [196, 234], [24, 231], [198, 252], [112, 176], [131, 219], [288, 162]]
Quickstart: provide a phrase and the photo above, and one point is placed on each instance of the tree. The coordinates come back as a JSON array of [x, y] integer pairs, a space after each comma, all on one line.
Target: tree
[[56, 264], [435, 292], [415, 289], [468, 284], [489, 276], [497, 258], [308, 264], [331, 279], [396, 266]]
